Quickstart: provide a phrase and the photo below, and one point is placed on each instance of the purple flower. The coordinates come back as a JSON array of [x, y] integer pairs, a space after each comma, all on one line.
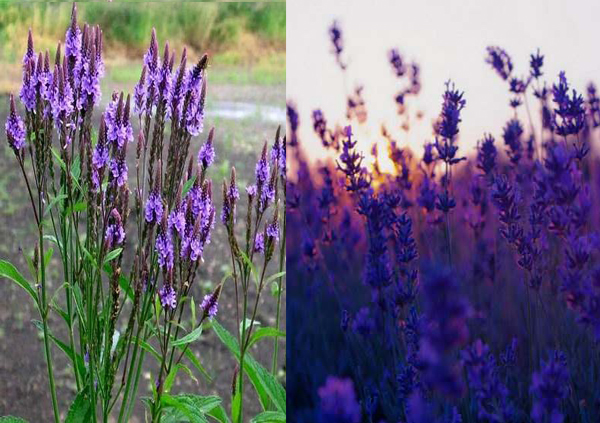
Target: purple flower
[[15, 128], [177, 220], [335, 34], [549, 388], [262, 169], [512, 138], [73, 38], [273, 231], [486, 154], [259, 243], [62, 97], [28, 91], [100, 155], [196, 87], [154, 207], [168, 297], [338, 401], [164, 248], [251, 190], [569, 113], [363, 323], [118, 168], [139, 94], [115, 235], [210, 304], [535, 63], [206, 155], [29, 53], [500, 61], [119, 130]]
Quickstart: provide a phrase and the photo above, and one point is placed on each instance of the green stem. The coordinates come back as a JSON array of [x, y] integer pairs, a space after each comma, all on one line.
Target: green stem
[[44, 315], [279, 291]]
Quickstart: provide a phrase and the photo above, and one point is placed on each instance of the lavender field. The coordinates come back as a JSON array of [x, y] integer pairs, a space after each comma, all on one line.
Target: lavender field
[[449, 284]]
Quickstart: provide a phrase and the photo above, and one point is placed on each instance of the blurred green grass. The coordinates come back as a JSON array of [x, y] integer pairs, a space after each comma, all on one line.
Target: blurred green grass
[[127, 25]]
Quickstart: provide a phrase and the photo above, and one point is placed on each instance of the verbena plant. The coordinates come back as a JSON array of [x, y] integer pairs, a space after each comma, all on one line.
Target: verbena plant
[[78, 185]]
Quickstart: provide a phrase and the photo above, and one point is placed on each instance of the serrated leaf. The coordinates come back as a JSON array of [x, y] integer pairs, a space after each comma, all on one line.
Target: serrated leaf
[[269, 417], [80, 410]]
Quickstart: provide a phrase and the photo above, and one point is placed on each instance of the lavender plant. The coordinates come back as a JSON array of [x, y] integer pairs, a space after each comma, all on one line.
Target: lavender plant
[[137, 276], [453, 287]]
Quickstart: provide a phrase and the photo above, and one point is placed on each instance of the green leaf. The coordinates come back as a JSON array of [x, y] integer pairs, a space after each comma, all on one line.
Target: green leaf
[[264, 332], [75, 208], [275, 276], [74, 357], [236, 401], [188, 185], [59, 159], [249, 263], [112, 255], [248, 323], [11, 419], [48, 256], [9, 271], [189, 338], [265, 384], [181, 409], [269, 417], [194, 360], [54, 202], [80, 410], [219, 414], [150, 349]]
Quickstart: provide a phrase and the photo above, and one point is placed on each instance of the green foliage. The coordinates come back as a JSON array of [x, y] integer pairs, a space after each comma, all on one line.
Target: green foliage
[[267, 387]]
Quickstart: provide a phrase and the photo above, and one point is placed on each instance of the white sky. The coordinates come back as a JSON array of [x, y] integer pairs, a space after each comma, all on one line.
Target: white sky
[[448, 40]]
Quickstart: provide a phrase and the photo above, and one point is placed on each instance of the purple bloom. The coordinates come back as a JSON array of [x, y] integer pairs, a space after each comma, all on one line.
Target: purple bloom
[[119, 130], [486, 154], [15, 128], [550, 387], [73, 38], [251, 190], [118, 168], [168, 297], [512, 138], [154, 208], [335, 34], [363, 324], [338, 401], [262, 170], [196, 87], [273, 231], [100, 155], [29, 53], [259, 243], [177, 220], [62, 97], [139, 94], [500, 61], [569, 114], [164, 248], [115, 234], [535, 63], [28, 91], [210, 304], [206, 155]]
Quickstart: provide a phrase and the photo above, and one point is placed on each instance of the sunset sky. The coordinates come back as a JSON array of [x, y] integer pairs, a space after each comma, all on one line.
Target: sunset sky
[[448, 41]]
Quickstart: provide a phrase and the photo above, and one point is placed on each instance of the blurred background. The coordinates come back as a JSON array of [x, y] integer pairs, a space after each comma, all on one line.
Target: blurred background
[[245, 104], [447, 42]]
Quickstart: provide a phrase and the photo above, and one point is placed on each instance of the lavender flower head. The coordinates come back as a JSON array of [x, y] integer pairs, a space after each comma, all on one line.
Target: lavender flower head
[[210, 304], [273, 231], [486, 154], [550, 387], [164, 248], [259, 243], [569, 114], [73, 38], [29, 53], [115, 234], [15, 128], [28, 91], [338, 401], [206, 155], [119, 130], [118, 168], [262, 168], [139, 94], [154, 207], [168, 297], [500, 61]]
